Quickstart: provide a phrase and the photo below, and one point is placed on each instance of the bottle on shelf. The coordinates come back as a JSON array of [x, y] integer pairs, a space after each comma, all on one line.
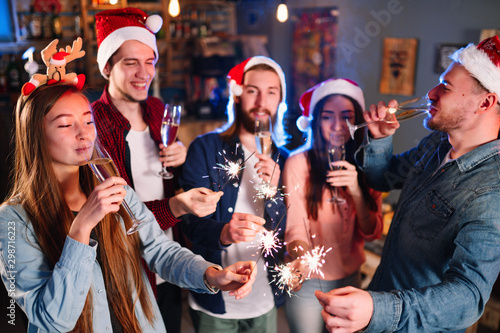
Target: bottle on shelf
[[78, 22], [55, 24], [178, 28], [3, 76], [172, 28], [46, 26], [35, 25], [186, 26], [203, 25], [23, 30], [194, 23], [14, 74]]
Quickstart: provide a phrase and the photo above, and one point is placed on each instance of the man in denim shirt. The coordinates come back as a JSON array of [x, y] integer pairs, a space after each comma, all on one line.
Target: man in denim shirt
[[442, 254]]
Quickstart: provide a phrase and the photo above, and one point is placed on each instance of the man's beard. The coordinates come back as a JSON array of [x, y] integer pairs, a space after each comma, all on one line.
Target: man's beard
[[247, 121], [444, 126]]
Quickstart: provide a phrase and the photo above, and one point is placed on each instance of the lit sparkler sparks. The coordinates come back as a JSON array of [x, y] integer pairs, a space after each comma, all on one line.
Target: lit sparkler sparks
[[269, 242], [285, 277], [314, 259], [232, 168]]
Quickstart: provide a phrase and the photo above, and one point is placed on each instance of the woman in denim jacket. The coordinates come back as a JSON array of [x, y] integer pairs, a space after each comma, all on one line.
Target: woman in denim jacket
[[65, 257]]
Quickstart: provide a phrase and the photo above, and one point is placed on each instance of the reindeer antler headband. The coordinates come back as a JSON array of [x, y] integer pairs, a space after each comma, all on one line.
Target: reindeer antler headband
[[56, 67]]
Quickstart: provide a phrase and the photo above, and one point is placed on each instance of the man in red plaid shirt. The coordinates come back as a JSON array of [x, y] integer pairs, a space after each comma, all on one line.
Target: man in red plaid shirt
[[128, 123]]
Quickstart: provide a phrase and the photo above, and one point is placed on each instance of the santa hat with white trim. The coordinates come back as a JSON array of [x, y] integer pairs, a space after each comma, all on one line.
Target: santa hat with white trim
[[236, 74], [312, 96], [482, 62], [116, 26]]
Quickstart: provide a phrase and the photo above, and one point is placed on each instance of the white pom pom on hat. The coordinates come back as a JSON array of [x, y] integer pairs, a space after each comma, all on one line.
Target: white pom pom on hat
[[154, 23], [236, 74], [116, 26], [312, 96]]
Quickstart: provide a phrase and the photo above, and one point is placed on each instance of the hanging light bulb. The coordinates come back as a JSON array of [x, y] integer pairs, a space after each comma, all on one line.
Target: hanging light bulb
[[173, 8], [282, 12], [113, 2]]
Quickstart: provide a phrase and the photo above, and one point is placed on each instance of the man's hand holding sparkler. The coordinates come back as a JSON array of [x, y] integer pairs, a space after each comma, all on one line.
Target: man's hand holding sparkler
[[197, 201], [173, 155], [238, 278], [345, 309], [268, 170], [242, 228]]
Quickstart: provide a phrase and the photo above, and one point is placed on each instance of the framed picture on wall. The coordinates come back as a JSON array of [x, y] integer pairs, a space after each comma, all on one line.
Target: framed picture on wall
[[443, 53], [398, 66]]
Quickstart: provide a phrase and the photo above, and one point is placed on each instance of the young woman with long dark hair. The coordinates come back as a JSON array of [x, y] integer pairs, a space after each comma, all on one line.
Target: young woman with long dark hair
[[314, 219]]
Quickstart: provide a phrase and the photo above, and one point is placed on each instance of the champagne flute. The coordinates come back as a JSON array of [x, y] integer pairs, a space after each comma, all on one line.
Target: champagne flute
[[336, 152], [169, 128], [406, 110], [103, 167], [263, 129]]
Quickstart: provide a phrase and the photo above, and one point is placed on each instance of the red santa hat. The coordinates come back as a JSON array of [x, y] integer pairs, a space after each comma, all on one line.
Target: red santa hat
[[58, 58], [312, 96], [482, 62], [116, 26], [236, 74]]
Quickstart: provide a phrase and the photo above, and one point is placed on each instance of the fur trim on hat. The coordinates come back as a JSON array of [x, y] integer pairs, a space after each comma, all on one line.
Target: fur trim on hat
[[312, 96], [480, 66], [115, 39]]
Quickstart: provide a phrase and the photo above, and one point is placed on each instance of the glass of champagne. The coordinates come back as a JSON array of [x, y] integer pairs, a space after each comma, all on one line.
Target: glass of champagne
[[103, 167], [263, 129], [169, 128], [406, 110], [336, 152]]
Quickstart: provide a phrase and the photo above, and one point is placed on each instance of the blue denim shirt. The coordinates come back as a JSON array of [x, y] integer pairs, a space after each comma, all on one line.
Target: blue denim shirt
[[442, 254], [200, 170], [53, 297]]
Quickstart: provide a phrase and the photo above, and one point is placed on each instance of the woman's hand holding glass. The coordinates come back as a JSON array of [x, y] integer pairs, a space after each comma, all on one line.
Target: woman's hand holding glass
[[346, 176], [104, 199], [103, 168]]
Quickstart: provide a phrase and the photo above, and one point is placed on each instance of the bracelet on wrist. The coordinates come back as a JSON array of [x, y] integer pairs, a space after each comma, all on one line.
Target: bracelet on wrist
[[213, 289]]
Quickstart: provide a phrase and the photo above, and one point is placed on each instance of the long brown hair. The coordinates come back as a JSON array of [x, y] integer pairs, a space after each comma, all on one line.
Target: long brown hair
[[318, 160], [36, 188]]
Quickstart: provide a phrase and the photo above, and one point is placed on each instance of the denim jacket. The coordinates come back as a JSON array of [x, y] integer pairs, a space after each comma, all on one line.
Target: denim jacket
[[205, 154], [442, 254], [53, 297]]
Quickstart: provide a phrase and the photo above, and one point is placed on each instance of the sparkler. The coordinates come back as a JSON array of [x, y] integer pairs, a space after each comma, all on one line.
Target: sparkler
[[269, 242], [314, 259], [285, 276], [265, 190], [232, 168]]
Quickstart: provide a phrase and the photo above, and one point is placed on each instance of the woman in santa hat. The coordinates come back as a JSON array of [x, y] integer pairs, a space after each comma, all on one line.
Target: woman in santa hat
[[314, 220]]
